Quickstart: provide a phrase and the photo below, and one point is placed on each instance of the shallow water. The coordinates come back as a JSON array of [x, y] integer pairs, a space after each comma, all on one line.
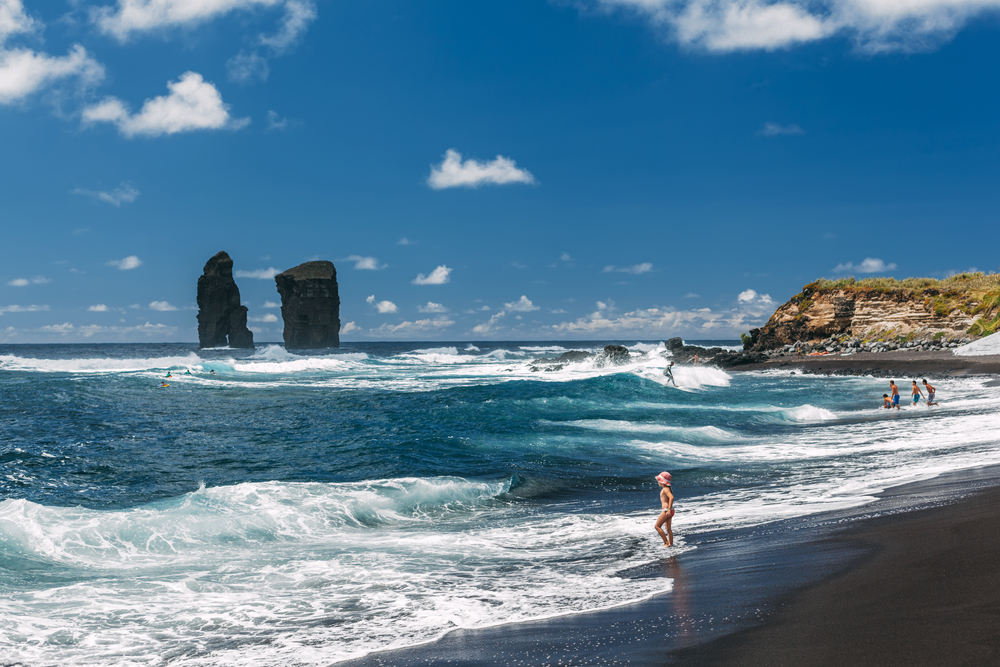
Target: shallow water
[[300, 509]]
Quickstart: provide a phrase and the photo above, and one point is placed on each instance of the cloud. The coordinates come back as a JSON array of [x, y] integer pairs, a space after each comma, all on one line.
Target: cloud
[[870, 265], [409, 328], [260, 274], [23, 309], [453, 173], [246, 67], [13, 20], [438, 276], [432, 307], [348, 328], [24, 72], [404, 241], [750, 296], [382, 306], [645, 267], [19, 282], [193, 104], [875, 26], [298, 15], [98, 308], [267, 317], [271, 304], [491, 325], [522, 305], [276, 122], [365, 263], [565, 257], [137, 16], [692, 295], [162, 306], [124, 193], [775, 130], [63, 328], [130, 262]]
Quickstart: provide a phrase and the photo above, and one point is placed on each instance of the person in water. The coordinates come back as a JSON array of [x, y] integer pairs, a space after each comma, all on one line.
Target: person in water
[[212, 372], [930, 394], [668, 371], [168, 374], [895, 393], [187, 372], [164, 384], [916, 393], [886, 402], [667, 513]]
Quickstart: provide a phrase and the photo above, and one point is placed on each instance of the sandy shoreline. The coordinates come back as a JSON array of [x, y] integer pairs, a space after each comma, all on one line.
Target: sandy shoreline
[[902, 363]]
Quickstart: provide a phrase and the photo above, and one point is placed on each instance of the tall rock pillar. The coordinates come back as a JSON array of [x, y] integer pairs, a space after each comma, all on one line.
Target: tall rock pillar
[[310, 305], [222, 319]]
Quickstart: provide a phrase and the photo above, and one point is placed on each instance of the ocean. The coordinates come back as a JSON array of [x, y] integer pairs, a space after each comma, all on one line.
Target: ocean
[[276, 508]]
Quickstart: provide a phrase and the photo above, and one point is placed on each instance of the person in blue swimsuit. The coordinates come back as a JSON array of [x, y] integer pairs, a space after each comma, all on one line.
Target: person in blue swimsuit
[[895, 393]]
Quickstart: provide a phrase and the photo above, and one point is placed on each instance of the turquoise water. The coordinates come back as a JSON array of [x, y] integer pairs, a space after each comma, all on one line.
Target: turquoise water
[[300, 509]]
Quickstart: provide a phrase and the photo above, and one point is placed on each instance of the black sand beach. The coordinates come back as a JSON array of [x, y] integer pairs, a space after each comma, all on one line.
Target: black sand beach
[[901, 363]]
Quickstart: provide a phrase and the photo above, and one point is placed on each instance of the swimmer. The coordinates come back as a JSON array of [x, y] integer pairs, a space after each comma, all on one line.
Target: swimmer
[[168, 374], [667, 514], [164, 384], [668, 371], [212, 372], [895, 393], [930, 394], [187, 372], [886, 402], [917, 394]]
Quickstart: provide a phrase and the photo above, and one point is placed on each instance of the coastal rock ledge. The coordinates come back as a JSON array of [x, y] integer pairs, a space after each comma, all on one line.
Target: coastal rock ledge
[[222, 319], [310, 306]]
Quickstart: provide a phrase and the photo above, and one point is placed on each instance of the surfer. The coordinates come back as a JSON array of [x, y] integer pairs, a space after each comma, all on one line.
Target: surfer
[[168, 374], [212, 371], [930, 394], [668, 372], [187, 372], [164, 384], [916, 393], [667, 513], [895, 393]]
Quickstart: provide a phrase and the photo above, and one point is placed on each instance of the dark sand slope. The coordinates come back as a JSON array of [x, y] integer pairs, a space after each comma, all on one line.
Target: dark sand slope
[[929, 595], [910, 364]]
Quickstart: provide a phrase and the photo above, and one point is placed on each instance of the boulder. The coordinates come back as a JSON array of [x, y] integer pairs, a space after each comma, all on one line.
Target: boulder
[[310, 306], [222, 319], [616, 354]]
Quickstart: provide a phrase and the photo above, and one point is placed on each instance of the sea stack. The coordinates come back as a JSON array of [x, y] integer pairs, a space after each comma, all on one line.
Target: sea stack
[[310, 306], [222, 319]]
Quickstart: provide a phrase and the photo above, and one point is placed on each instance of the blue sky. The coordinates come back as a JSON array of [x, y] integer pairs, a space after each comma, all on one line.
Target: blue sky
[[487, 170]]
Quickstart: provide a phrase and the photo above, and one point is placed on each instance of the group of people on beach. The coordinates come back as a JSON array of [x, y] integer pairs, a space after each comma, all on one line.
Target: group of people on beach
[[889, 402]]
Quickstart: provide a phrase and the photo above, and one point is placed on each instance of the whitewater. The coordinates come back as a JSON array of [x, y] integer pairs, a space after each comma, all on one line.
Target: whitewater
[[278, 508]]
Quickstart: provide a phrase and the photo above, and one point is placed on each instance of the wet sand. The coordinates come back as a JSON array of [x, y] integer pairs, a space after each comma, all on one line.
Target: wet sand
[[900, 363]]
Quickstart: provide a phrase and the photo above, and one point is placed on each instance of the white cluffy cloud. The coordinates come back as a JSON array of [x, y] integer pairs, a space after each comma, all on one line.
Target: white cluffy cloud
[[23, 309], [266, 317], [645, 267], [98, 308], [438, 276], [24, 282], [260, 274], [365, 263], [870, 265], [193, 104], [750, 296], [129, 17], [125, 193], [162, 306], [382, 306], [454, 173], [746, 25], [130, 262], [776, 130], [432, 307], [522, 305], [24, 72]]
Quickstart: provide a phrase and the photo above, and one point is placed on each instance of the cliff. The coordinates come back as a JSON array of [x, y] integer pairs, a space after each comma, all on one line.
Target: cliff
[[310, 305], [222, 319], [884, 309]]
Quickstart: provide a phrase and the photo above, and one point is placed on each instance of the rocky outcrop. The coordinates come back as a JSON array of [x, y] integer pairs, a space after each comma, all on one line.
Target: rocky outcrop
[[310, 306], [823, 314], [222, 319], [616, 354]]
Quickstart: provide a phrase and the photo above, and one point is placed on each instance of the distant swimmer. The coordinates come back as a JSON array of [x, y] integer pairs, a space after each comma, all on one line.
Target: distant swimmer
[[668, 371], [916, 393], [164, 384], [187, 372], [212, 372], [895, 393], [168, 374], [886, 402], [930, 394], [667, 513]]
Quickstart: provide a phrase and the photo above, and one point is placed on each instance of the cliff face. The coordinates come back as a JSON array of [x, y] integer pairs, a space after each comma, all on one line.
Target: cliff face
[[824, 309], [310, 305], [222, 319]]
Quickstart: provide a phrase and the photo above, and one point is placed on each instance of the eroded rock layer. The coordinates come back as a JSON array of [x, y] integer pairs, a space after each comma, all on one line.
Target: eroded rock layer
[[222, 319], [310, 305]]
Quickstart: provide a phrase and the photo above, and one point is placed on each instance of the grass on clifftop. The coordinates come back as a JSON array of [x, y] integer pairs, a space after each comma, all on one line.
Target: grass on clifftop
[[971, 293]]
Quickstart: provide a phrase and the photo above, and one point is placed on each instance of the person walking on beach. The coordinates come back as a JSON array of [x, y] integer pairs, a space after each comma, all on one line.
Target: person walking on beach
[[895, 393], [916, 393], [667, 513], [668, 371], [930, 394]]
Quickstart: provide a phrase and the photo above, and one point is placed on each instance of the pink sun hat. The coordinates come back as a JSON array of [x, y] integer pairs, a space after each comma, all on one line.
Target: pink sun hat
[[663, 478]]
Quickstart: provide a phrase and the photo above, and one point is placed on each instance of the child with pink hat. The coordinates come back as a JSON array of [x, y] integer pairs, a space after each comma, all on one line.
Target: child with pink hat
[[667, 503]]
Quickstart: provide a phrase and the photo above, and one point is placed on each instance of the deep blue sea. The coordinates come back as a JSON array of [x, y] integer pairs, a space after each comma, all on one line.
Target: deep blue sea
[[302, 509]]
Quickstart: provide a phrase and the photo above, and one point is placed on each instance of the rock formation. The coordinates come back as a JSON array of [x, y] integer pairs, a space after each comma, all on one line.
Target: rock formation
[[616, 354], [882, 310], [310, 306], [222, 320]]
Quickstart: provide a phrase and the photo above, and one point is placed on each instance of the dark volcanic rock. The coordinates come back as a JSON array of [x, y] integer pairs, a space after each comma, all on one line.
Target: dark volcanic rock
[[222, 319], [310, 305], [617, 354]]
